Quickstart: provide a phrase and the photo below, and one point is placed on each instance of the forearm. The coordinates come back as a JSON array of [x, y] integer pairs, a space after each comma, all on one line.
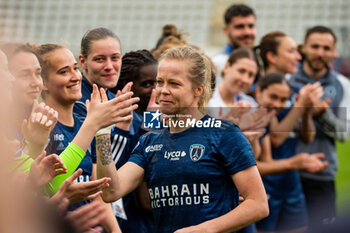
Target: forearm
[[274, 166], [256, 148], [34, 150], [85, 135], [307, 128], [288, 123], [280, 130], [277, 138], [106, 167]]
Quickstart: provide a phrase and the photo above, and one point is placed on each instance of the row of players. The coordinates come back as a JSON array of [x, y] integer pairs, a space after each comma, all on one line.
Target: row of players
[[199, 192]]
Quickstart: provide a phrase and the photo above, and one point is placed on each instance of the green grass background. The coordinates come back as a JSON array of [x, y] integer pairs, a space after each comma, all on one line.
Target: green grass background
[[343, 177]]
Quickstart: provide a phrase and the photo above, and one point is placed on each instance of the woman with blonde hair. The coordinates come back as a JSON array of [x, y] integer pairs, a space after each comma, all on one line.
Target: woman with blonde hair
[[194, 167]]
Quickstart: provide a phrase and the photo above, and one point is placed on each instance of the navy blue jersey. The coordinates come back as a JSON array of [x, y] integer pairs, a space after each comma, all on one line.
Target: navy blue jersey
[[188, 174], [119, 137], [139, 220], [122, 143], [60, 137], [288, 183]]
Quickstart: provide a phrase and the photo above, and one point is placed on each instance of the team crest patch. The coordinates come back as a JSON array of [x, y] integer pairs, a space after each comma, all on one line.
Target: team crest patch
[[196, 152]]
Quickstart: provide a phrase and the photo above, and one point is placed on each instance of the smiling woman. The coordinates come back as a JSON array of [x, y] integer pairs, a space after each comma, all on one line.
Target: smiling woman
[[101, 57], [279, 53], [26, 69], [24, 65], [192, 172], [238, 75], [62, 81]]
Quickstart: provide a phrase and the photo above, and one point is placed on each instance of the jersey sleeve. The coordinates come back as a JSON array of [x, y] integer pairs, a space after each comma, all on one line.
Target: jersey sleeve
[[236, 151], [80, 110], [138, 154]]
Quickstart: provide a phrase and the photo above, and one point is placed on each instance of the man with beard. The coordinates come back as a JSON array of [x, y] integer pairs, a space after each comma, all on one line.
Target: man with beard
[[240, 29], [331, 117]]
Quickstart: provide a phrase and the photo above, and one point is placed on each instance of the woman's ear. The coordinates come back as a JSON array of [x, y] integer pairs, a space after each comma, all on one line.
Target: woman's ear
[[271, 57], [225, 70], [82, 61], [199, 90]]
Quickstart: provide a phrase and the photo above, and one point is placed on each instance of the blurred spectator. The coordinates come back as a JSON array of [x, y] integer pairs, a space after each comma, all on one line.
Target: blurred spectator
[[240, 30], [331, 118]]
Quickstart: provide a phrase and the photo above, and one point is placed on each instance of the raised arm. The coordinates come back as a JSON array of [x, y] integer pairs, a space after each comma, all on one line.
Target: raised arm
[[308, 95], [307, 128], [267, 165], [100, 115], [105, 165]]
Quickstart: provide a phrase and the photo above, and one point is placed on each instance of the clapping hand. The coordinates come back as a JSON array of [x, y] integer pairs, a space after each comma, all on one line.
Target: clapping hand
[[102, 112], [45, 168], [77, 192], [37, 128], [125, 125]]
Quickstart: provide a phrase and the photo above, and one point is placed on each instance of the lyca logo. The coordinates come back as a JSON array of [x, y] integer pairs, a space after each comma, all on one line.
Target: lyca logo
[[152, 148], [174, 155]]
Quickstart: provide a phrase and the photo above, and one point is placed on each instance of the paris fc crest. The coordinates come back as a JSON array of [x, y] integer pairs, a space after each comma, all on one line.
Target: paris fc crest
[[196, 152]]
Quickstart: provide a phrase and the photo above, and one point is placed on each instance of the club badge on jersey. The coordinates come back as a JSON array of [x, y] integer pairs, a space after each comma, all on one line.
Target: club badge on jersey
[[196, 152]]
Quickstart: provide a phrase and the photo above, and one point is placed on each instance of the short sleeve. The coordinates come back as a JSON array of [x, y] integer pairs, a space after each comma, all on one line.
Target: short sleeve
[[236, 151], [138, 155], [79, 110]]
